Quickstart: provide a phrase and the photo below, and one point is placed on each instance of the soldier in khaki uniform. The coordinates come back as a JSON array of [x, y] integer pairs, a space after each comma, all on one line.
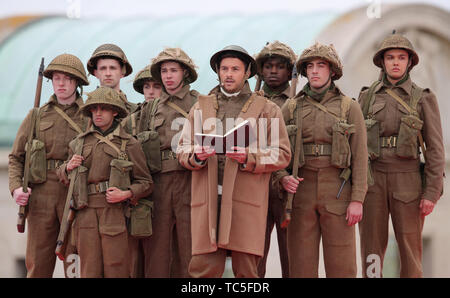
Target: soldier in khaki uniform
[[46, 202], [230, 190], [113, 173], [275, 63], [400, 118], [137, 124], [145, 84], [169, 247], [109, 65], [332, 142]]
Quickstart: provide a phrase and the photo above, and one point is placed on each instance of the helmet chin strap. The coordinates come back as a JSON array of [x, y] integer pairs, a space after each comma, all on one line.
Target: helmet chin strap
[[326, 83]]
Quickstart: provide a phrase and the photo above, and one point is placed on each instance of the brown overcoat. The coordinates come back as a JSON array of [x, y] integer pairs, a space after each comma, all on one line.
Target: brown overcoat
[[243, 214]]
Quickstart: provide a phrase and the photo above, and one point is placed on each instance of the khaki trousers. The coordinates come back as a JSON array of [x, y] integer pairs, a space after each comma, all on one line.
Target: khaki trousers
[[102, 239], [45, 210], [397, 194], [165, 257], [213, 264], [317, 214], [274, 219]]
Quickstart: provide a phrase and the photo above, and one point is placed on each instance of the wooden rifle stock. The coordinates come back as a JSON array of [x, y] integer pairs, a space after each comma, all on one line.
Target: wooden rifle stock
[[22, 214]]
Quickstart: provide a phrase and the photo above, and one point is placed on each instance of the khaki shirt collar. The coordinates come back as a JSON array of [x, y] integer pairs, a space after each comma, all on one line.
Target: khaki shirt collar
[[78, 101], [406, 86], [180, 94], [285, 91]]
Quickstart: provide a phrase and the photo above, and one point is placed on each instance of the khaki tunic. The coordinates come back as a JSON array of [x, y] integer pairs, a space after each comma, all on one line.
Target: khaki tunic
[[276, 206], [100, 229], [398, 189], [243, 208], [316, 212], [169, 247], [46, 202]]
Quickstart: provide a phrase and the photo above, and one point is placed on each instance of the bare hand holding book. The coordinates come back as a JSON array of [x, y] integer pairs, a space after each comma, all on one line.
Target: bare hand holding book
[[239, 136]]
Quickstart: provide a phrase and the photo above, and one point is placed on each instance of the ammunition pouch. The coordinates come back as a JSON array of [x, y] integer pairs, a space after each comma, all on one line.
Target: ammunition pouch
[[373, 138], [38, 162], [80, 189], [340, 150], [151, 146], [120, 173], [407, 146], [140, 221]]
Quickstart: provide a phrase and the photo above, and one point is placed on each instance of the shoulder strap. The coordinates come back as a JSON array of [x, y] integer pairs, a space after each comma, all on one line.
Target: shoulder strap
[[68, 119], [178, 109], [416, 95], [400, 101], [370, 98], [292, 105], [152, 113], [322, 108], [133, 124], [346, 102]]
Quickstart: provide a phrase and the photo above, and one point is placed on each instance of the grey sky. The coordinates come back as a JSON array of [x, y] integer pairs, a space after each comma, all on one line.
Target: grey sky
[[130, 8]]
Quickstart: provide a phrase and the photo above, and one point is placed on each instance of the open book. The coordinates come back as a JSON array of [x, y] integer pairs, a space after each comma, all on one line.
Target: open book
[[239, 136]]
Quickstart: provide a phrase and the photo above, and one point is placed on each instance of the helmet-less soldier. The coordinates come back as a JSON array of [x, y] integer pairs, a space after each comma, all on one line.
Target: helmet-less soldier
[[138, 125], [400, 118], [170, 243], [109, 65], [52, 130], [111, 171], [275, 63], [230, 191], [332, 141]]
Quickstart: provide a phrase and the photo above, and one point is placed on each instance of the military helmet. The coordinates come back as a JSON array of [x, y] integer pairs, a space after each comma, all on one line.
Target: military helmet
[[141, 77], [395, 41], [177, 55], [68, 64], [241, 52], [320, 51], [105, 96], [275, 49], [109, 50]]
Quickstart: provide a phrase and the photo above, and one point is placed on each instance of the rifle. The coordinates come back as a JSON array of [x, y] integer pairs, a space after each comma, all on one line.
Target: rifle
[[293, 82], [69, 212], [298, 136], [258, 83], [22, 215]]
